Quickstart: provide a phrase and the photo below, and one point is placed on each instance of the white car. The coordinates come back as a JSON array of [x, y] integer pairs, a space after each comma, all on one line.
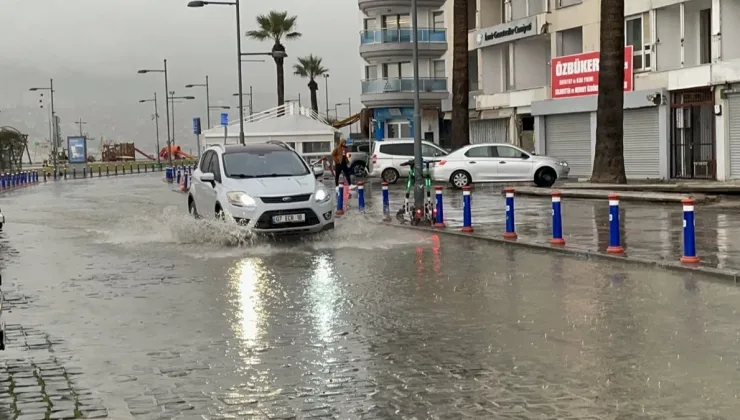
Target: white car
[[497, 162], [265, 186], [388, 155], [2, 220]]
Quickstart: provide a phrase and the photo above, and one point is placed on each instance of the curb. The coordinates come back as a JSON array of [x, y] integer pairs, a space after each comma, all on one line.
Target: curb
[[671, 198], [726, 275]]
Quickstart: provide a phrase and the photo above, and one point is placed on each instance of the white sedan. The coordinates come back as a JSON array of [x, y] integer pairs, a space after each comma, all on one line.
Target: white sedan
[[497, 162]]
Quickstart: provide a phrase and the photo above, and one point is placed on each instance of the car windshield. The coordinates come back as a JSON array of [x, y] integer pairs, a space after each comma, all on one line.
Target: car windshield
[[264, 164]]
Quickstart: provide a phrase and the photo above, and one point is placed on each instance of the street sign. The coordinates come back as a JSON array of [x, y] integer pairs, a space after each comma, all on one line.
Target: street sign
[[196, 126], [224, 118]]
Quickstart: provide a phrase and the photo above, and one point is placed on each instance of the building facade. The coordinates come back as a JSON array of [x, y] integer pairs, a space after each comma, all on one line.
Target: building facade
[[534, 79], [387, 73]]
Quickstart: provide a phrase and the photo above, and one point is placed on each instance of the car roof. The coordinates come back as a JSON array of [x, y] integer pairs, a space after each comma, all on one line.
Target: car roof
[[253, 148]]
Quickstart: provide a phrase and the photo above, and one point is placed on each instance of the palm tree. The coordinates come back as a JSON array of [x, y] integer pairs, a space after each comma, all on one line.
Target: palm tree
[[460, 75], [275, 26], [310, 67], [609, 156]]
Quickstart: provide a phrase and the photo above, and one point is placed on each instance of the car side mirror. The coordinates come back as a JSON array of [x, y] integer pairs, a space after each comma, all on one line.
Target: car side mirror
[[318, 171], [207, 177]]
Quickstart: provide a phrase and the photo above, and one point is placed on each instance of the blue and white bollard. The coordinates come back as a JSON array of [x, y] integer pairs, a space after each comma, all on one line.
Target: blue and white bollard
[[361, 196], [168, 174], [510, 225], [557, 220], [615, 243], [439, 216], [36, 176], [467, 210], [3, 180], [386, 203], [689, 232], [179, 176], [340, 199], [84, 171]]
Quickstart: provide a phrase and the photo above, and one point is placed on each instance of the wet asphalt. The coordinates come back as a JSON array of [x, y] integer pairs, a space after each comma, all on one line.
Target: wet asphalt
[[120, 306]]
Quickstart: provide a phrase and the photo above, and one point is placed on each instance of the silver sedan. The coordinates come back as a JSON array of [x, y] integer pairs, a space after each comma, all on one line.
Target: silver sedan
[[497, 162]]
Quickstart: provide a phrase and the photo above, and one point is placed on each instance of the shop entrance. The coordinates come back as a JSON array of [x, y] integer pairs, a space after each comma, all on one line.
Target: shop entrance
[[692, 134]]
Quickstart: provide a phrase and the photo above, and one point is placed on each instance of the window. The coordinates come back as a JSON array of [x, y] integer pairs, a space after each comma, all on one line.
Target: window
[[705, 36], [427, 150], [316, 147], [508, 152], [566, 3], [480, 152], [633, 35], [215, 167], [396, 70], [369, 24], [569, 41], [399, 130], [438, 21], [264, 164], [400, 149], [395, 21], [205, 162], [371, 72], [439, 69]]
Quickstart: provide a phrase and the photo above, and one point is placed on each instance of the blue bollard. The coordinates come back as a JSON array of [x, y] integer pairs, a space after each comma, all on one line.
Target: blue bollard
[[138, 169], [44, 175], [74, 173], [467, 210], [510, 224], [361, 196], [439, 217], [115, 170], [340, 199], [84, 172], [184, 187], [386, 203], [168, 174], [615, 245], [2, 181], [689, 232], [55, 174], [178, 176], [100, 172], [557, 220]]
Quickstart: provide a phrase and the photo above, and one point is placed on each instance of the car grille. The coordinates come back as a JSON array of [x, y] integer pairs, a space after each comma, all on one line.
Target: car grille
[[292, 199], [265, 220]]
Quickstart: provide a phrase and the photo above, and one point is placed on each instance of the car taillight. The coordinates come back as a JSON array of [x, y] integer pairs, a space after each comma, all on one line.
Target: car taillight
[[375, 159], [441, 163]]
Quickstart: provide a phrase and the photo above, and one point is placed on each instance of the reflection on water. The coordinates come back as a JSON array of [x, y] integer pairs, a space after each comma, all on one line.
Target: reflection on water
[[324, 296], [247, 280]]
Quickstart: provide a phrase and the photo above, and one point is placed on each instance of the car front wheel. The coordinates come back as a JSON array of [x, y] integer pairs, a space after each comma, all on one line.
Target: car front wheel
[[545, 177], [460, 179], [192, 209]]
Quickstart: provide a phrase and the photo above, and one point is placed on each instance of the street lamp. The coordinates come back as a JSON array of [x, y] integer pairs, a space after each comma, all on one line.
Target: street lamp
[[349, 107], [167, 106], [208, 99], [156, 121], [54, 134], [172, 98], [418, 161], [326, 91], [251, 110], [80, 123]]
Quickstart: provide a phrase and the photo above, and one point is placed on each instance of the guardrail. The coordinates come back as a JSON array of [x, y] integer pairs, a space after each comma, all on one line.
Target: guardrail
[[402, 35]]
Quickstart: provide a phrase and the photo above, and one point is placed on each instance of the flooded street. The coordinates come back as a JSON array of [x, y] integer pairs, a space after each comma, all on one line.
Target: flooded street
[[121, 306]]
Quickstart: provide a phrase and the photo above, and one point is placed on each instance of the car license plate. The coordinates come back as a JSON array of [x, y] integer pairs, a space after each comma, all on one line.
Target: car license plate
[[289, 218]]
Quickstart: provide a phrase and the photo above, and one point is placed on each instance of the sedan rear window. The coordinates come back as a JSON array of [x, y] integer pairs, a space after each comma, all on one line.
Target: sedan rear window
[[264, 164]]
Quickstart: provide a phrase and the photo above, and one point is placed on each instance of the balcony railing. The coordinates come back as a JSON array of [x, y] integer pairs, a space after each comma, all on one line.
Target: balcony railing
[[404, 84], [403, 35]]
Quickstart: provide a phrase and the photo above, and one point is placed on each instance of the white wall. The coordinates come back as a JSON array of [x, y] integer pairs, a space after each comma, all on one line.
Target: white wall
[[668, 31], [490, 12]]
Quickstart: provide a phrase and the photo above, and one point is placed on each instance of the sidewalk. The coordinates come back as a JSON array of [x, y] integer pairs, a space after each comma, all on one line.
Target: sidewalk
[[650, 231]]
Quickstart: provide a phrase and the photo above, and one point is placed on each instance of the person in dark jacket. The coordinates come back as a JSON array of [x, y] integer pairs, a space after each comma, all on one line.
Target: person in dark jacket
[[341, 164]]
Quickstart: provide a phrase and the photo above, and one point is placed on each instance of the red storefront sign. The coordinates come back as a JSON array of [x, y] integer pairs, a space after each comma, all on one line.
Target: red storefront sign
[[578, 74]]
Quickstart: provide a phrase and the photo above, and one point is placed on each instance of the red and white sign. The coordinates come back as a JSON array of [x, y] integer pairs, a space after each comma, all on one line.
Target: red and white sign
[[578, 74]]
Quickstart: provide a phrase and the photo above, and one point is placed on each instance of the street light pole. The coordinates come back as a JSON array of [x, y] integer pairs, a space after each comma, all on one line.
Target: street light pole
[[54, 132], [156, 121], [166, 103], [239, 70], [418, 161], [80, 123], [208, 99], [349, 107], [326, 91], [251, 104]]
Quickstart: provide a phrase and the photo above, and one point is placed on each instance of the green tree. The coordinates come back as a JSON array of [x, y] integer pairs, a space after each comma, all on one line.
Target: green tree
[[460, 130], [609, 156], [310, 67], [276, 26]]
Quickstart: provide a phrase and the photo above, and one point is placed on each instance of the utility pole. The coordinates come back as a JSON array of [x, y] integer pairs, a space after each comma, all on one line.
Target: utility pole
[[326, 91], [80, 123], [418, 160]]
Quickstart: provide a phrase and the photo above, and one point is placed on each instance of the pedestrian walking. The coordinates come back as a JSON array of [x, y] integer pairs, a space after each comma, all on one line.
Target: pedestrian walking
[[341, 164]]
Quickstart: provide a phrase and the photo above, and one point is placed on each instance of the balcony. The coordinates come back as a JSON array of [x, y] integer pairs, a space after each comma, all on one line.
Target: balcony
[[374, 7], [397, 43], [400, 91]]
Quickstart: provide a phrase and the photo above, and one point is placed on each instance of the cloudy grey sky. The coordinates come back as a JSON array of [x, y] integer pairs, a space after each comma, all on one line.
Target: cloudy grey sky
[[92, 49]]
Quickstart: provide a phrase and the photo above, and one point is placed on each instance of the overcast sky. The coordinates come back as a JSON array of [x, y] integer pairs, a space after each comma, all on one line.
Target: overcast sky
[[93, 48]]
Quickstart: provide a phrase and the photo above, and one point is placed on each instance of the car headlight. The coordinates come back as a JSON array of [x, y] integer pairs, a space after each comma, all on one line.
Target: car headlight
[[563, 163], [321, 195], [240, 199]]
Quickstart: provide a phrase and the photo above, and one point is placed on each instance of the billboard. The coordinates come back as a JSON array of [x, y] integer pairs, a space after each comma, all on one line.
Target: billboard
[[76, 149], [578, 74]]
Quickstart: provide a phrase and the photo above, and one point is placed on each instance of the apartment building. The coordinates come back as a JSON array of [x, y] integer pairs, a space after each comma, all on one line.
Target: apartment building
[[387, 73], [534, 80]]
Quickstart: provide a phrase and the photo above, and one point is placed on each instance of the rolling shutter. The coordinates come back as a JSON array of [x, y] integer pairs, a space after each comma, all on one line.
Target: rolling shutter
[[641, 143], [568, 137]]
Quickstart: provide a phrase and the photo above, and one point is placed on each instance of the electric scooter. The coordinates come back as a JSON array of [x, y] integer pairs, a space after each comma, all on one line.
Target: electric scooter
[[408, 211]]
